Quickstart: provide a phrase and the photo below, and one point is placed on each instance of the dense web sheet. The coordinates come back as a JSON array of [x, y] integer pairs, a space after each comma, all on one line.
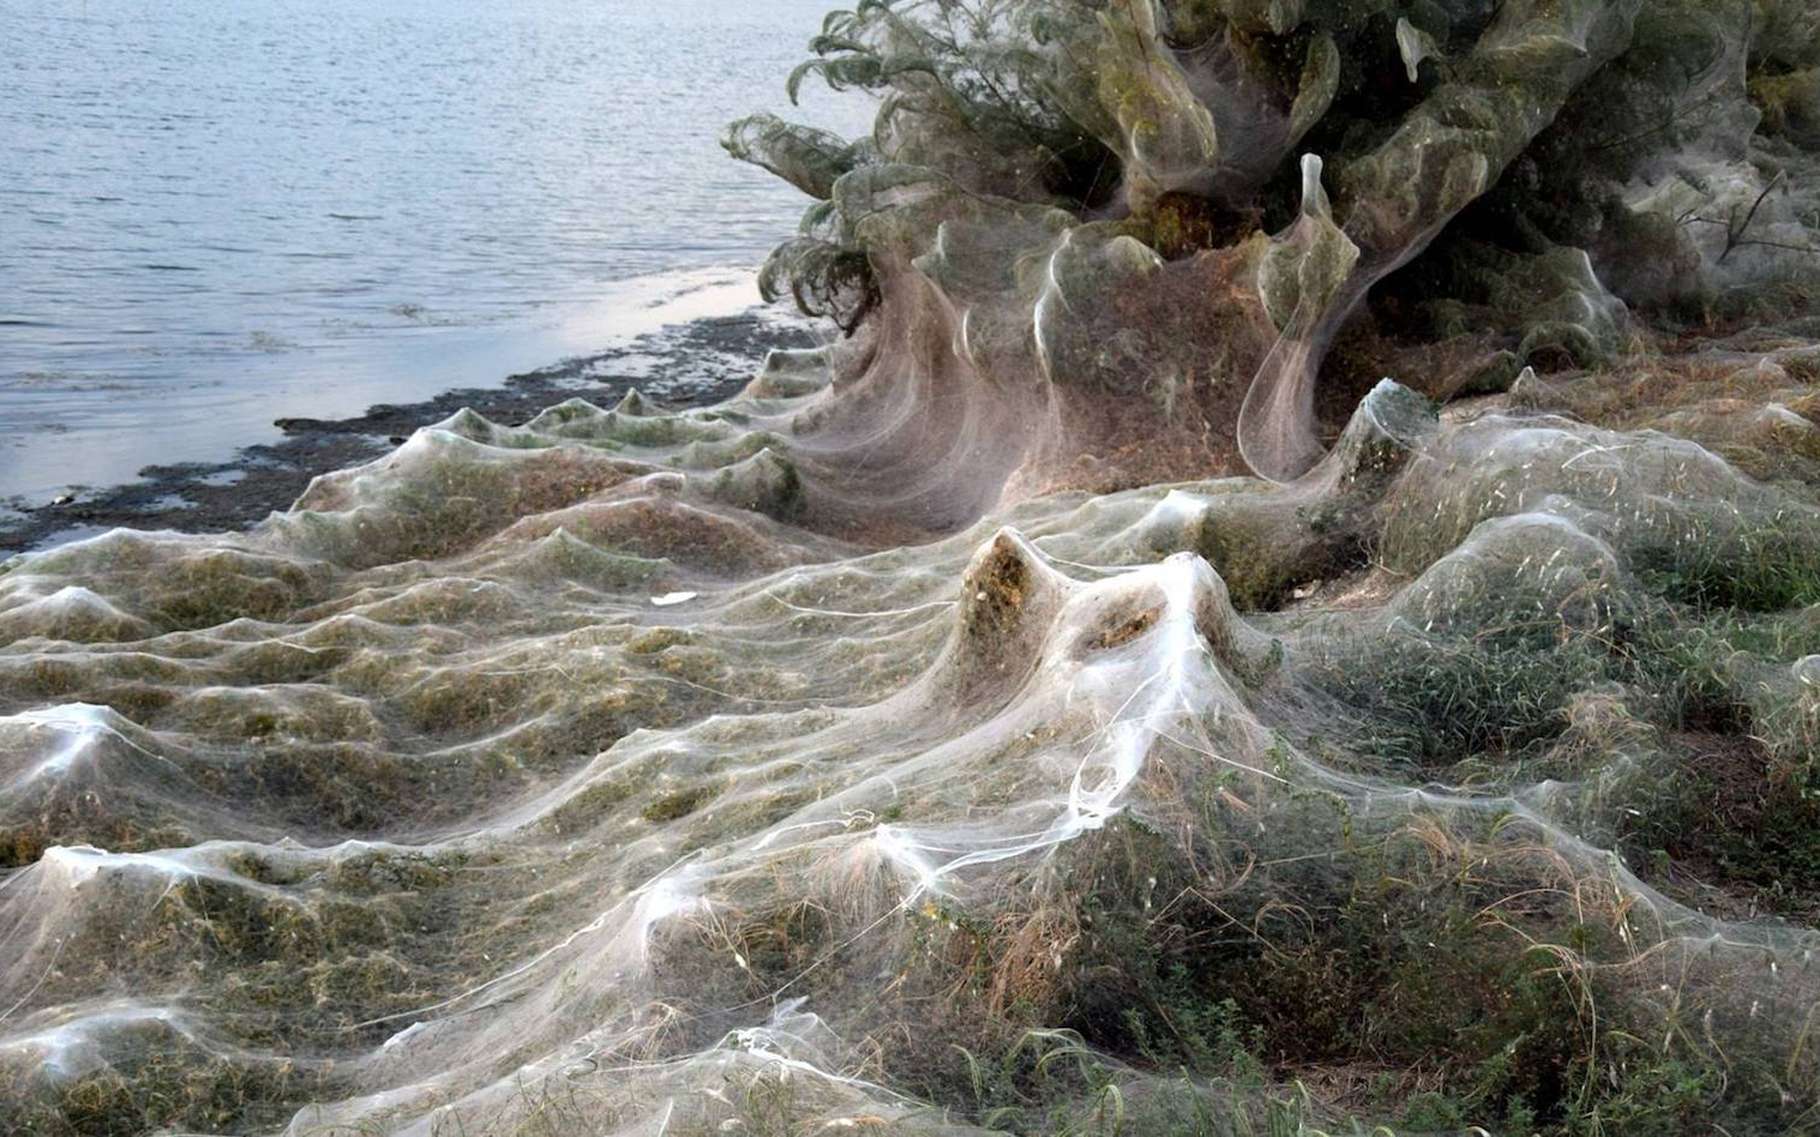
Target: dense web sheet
[[411, 811], [945, 736], [1185, 205]]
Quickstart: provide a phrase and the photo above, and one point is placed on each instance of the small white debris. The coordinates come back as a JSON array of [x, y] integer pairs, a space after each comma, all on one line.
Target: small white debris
[[399, 1038], [672, 598]]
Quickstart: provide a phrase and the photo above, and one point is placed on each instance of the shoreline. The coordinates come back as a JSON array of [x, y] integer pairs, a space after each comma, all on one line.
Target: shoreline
[[692, 364]]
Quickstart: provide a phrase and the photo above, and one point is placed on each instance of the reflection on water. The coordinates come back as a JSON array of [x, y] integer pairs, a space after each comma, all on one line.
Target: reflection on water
[[58, 432], [212, 216]]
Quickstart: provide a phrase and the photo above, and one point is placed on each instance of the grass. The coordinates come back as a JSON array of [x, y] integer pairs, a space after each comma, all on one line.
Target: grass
[[678, 804], [1760, 569], [1231, 958], [1432, 702], [1459, 954], [162, 1082]]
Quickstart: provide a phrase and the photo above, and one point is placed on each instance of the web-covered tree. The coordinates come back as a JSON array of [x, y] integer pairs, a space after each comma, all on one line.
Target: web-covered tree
[[1069, 203]]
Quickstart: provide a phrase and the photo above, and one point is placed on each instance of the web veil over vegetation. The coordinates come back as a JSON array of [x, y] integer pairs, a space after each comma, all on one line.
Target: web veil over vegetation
[[1289, 603]]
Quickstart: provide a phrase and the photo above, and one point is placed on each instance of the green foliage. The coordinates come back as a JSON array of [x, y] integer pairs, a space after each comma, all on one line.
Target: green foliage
[[1767, 569], [1433, 702]]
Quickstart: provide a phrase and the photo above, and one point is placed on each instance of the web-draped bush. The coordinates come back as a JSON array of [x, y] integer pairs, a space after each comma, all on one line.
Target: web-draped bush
[[1541, 181]]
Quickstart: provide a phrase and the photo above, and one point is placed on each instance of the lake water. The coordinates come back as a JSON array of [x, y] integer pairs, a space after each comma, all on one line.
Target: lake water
[[217, 214]]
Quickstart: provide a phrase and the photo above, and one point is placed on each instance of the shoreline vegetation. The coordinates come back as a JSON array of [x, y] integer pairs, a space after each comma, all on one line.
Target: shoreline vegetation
[[700, 362], [1291, 608]]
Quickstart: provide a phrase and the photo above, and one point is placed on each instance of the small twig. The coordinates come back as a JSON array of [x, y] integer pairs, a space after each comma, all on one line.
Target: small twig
[[1736, 229]]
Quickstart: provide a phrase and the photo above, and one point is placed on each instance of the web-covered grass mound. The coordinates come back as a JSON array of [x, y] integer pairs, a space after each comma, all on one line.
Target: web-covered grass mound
[[935, 739], [555, 779]]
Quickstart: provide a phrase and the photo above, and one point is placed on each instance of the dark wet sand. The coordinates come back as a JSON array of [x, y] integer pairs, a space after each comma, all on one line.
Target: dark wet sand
[[691, 365]]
